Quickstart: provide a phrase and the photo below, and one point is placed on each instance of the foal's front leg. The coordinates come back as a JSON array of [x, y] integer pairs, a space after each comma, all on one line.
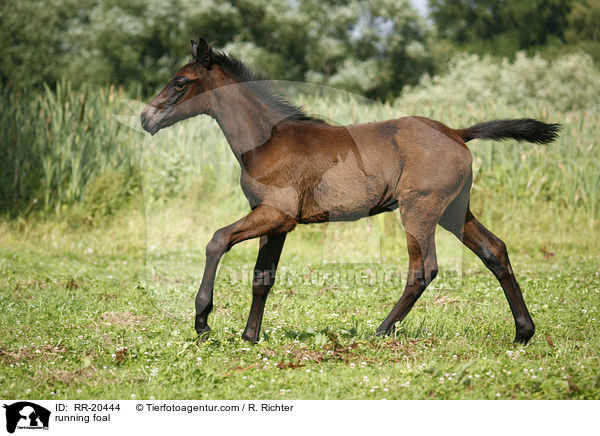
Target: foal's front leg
[[262, 282], [263, 220]]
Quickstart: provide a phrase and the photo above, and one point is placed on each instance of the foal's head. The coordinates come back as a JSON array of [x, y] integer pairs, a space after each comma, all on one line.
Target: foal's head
[[186, 93]]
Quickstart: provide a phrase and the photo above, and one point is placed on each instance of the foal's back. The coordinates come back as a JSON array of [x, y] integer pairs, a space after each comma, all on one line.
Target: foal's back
[[320, 172]]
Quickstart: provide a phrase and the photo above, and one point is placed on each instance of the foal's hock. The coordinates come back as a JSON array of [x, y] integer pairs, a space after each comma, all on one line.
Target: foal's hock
[[299, 169]]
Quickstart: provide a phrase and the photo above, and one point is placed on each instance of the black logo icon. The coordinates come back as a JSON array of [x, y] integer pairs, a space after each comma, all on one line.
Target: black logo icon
[[26, 415]]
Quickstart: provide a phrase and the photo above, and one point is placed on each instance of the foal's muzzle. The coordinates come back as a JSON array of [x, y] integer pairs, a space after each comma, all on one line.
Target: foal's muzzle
[[144, 121], [150, 122]]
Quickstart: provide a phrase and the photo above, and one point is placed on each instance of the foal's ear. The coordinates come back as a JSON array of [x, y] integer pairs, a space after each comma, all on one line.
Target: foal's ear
[[193, 49], [202, 53]]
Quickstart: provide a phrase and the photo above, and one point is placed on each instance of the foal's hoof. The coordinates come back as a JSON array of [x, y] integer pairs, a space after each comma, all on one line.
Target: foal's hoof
[[382, 332], [521, 339], [203, 333], [525, 335], [249, 337]]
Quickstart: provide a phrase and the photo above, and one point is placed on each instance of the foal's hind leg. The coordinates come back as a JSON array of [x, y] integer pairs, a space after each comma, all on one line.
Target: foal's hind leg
[[419, 219], [492, 252]]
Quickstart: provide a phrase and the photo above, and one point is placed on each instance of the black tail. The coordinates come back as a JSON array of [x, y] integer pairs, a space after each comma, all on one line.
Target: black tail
[[522, 130]]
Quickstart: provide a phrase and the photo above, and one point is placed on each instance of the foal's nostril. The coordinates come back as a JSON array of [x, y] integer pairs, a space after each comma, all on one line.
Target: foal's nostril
[[143, 119]]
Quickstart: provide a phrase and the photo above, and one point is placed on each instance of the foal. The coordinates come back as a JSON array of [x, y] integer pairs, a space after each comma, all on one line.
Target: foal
[[292, 173]]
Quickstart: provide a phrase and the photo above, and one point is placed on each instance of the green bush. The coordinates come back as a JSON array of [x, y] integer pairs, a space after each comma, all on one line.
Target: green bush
[[570, 82], [110, 191]]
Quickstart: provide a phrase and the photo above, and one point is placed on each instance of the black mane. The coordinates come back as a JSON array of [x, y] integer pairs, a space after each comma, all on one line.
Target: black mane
[[268, 95]]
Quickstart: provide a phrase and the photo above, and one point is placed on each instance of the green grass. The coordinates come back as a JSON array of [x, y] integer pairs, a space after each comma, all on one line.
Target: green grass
[[82, 319]]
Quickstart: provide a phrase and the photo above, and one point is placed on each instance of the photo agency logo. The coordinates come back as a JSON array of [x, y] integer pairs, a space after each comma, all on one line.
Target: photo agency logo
[[25, 415]]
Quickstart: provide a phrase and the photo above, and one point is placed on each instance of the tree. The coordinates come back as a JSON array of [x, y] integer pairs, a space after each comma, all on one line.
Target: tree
[[500, 27], [584, 21], [32, 35], [369, 46], [583, 31], [373, 47]]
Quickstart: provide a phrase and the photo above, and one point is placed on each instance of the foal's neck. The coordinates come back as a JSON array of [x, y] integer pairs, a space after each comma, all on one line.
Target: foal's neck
[[244, 117]]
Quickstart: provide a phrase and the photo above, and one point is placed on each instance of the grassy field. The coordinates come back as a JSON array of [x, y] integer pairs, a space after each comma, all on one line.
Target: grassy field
[[80, 321], [99, 265], [83, 318]]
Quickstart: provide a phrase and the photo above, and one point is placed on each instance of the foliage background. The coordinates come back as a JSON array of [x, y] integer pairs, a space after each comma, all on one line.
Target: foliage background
[[374, 47], [70, 63]]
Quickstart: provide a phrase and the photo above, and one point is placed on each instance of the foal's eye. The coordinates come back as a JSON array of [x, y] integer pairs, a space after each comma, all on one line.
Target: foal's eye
[[179, 86]]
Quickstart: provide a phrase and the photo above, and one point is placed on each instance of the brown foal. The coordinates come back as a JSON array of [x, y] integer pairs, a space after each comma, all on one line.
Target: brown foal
[[298, 169]]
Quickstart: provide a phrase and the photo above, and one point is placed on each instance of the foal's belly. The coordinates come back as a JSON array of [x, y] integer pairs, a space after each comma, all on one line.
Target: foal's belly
[[343, 202], [341, 197], [344, 192]]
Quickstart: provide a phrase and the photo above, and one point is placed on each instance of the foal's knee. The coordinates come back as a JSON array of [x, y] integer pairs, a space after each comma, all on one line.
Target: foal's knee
[[262, 282], [218, 244]]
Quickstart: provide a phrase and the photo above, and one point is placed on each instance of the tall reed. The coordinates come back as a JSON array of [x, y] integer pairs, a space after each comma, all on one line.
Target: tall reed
[[56, 144]]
